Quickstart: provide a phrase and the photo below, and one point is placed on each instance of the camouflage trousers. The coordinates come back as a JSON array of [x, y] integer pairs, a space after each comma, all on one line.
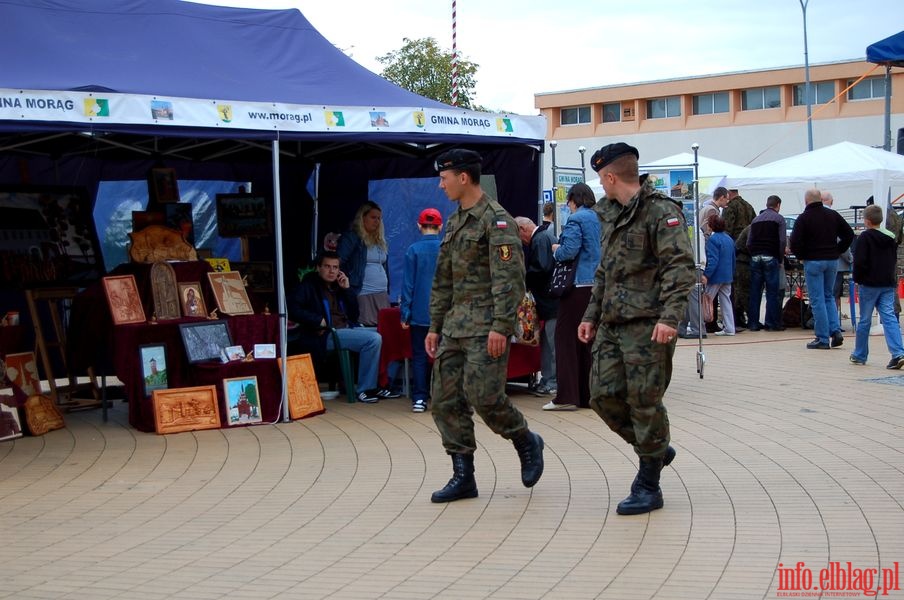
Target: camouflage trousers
[[466, 379], [628, 377]]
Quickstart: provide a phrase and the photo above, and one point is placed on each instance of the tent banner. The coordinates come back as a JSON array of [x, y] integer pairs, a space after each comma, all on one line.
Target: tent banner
[[131, 109]]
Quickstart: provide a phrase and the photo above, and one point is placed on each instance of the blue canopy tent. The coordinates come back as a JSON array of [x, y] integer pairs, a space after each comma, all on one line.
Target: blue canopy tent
[[888, 52], [101, 88]]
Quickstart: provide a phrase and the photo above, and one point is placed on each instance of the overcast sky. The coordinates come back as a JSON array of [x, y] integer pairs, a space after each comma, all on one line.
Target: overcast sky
[[524, 47]]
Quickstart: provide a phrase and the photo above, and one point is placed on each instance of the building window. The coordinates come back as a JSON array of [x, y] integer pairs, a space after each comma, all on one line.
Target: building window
[[822, 91], [760, 98], [578, 115], [708, 104], [662, 108], [872, 87], [612, 112]]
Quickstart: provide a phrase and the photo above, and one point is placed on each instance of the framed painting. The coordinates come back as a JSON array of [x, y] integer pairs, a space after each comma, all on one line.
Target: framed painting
[[123, 299], [229, 290], [10, 424], [179, 217], [186, 409], [259, 275], [22, 372], [153, 367], [303, 389], [204, 340], [142, 219], [192, 299], [243, 403], [48, 237], [163, 186], [243, 215]]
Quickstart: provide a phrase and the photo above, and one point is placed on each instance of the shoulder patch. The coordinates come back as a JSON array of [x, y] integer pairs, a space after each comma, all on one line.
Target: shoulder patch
[[672, 222], [501, 225], [505, 252]]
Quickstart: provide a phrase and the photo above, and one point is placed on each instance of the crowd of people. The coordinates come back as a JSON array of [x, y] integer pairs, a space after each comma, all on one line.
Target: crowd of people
[[608, 338]]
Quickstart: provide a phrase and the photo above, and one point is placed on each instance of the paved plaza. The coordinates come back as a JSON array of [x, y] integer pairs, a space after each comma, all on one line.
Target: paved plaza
[[785, 456]]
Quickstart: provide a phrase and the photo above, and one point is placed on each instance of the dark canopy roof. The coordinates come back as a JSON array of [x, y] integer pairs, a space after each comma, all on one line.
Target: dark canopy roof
[[176, 48], [889, 51]]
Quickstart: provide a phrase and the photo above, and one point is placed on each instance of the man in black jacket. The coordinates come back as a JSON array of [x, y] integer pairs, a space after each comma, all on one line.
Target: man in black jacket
[[323, 300], [875, 259], [819, 237]]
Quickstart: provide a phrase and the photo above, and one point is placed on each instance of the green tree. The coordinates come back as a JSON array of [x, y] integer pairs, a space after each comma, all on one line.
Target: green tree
[[424, 68]]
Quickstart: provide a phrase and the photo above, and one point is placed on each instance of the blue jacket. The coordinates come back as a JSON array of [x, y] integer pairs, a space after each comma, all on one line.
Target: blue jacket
[[720, 258], [417, 280], [353, 259], [581, 237]]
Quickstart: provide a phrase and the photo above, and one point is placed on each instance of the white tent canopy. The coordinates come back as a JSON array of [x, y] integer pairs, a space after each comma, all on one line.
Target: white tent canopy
[[853, 169], [712, 172]]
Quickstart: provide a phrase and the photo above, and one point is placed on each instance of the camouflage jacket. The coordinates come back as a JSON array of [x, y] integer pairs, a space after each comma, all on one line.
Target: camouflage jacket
[[647, 266], [737, 215], [479, 277]]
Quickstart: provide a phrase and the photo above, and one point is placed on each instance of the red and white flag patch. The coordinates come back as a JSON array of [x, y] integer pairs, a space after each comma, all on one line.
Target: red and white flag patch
[[673, 222], [501, 225]]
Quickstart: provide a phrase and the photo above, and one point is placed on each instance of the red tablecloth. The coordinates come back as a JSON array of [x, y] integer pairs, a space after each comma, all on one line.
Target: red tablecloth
[[396, 341], [523, 360]]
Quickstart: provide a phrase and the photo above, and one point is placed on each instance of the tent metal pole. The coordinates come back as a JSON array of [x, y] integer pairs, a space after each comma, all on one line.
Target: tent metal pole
[[280, 284], [315, 224], [887, 144]]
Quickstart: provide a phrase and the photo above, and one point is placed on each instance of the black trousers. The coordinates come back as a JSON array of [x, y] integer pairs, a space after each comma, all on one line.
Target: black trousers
[[572, 355]]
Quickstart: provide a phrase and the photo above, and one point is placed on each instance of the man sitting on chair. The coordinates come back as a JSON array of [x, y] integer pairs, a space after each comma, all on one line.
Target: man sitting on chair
[[323, 300]]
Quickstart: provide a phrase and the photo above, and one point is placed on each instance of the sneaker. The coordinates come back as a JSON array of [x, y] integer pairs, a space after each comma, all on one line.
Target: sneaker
[[723, 332], [817, 345], [368, 398], [551, 405], [837, 339], [386, 394], [690, 335], [896, 362], [419, 406], [858, 361], [544, 390]]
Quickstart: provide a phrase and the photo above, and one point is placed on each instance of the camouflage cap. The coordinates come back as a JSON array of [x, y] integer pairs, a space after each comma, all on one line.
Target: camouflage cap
[[456, 159], [609, 153]]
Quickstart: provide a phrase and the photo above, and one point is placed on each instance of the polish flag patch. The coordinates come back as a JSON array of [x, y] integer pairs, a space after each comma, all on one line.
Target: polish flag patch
[[673, 222], [501, 225]]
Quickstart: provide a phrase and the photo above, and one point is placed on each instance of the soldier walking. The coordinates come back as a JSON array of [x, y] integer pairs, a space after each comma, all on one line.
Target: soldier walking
[[639, 294], [478, 284]]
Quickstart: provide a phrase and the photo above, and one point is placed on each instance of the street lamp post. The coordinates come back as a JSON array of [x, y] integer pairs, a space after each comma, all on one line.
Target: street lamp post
[[803, 7], [582, 150]]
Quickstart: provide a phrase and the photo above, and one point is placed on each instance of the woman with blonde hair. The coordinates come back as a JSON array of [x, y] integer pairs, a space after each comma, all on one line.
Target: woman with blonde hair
[[364, 257]]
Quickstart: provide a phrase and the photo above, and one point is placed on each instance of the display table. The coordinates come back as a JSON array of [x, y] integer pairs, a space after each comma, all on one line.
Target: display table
[[245, 331], [95, 341]]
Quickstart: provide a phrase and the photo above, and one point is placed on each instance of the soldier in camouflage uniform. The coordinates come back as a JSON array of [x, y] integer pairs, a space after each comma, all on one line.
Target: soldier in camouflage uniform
[[478, 284], [639, 295], [738, 216]]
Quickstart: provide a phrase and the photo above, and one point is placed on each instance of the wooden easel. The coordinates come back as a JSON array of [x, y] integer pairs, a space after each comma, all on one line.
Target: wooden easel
[[57, 300]]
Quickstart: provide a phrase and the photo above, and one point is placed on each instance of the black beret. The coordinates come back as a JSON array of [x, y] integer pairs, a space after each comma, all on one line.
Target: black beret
[[609, 153], [456, 159]]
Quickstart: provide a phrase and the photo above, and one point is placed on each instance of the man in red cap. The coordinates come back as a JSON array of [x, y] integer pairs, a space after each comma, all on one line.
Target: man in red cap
[[420, 264]]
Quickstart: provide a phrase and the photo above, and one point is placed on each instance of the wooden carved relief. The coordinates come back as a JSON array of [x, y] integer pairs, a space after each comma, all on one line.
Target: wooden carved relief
[[41, 415], [186, 409], [157, 243], [166, 295], [303, 389]]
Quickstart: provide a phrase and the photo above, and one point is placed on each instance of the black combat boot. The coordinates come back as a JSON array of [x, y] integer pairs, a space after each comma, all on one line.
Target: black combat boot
[[462, 484], [645, 493], [667, 459], [530, 450]]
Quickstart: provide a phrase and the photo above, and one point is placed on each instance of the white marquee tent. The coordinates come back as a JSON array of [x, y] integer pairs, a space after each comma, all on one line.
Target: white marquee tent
[[850, 171]]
